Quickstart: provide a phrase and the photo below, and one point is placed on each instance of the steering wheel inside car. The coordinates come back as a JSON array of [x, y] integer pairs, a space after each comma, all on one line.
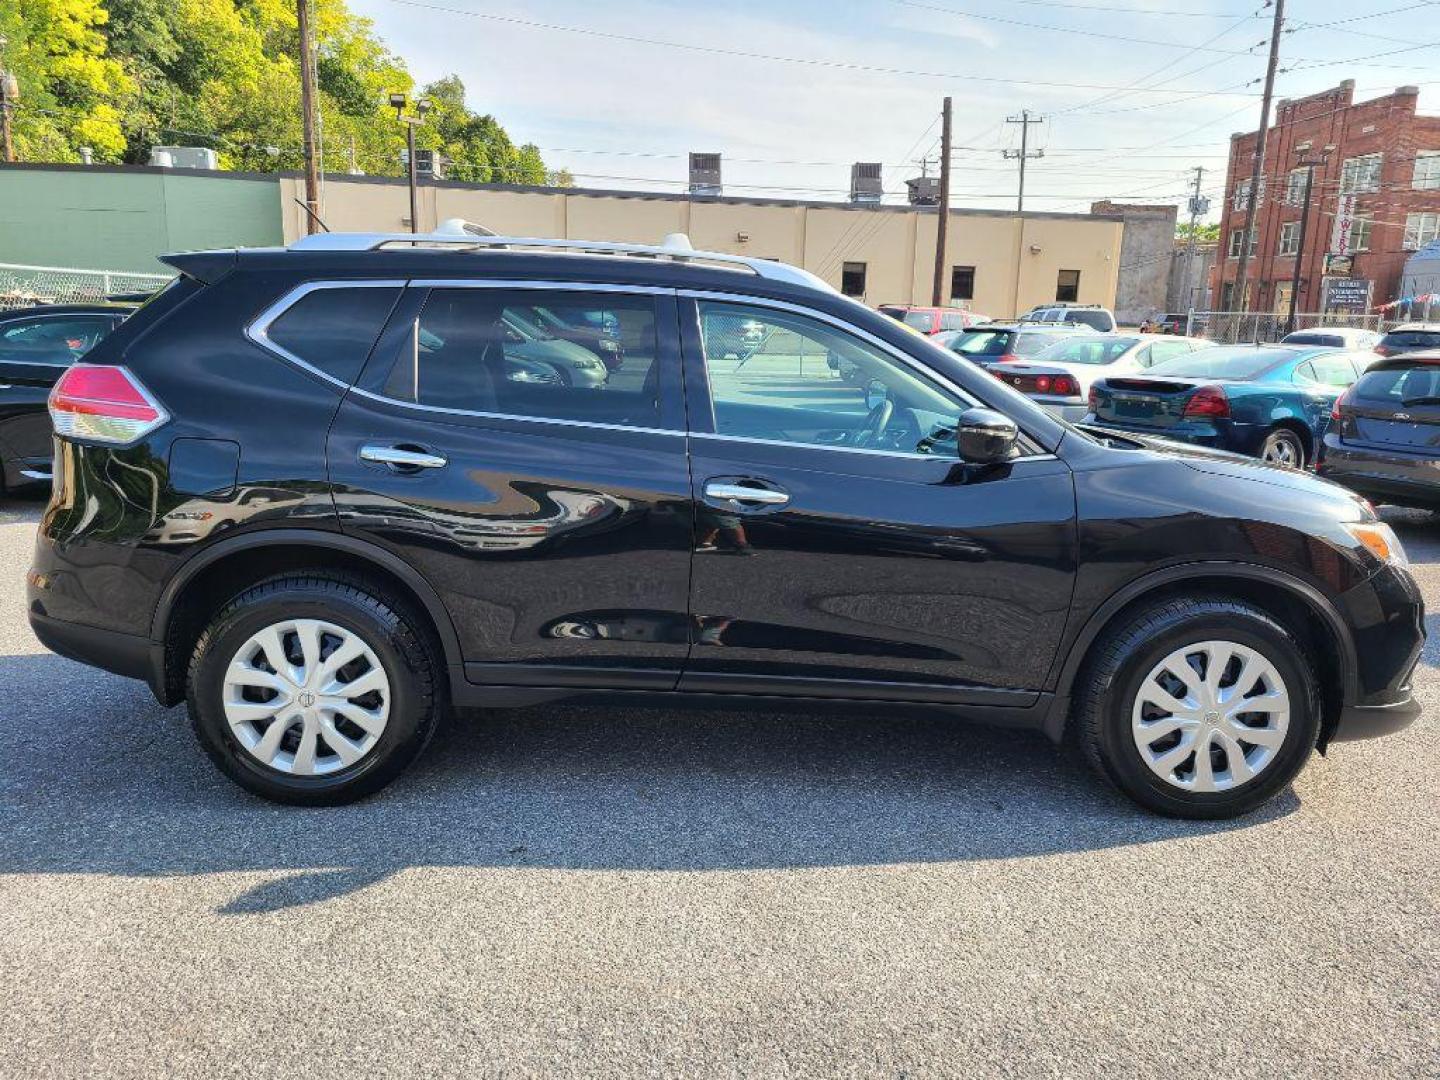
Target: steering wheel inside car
[[869, 432]]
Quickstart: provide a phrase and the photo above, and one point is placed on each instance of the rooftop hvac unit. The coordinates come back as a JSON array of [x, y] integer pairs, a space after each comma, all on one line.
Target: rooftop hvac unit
[[183, 157], [866, 186], [923, 191], [705, 174]]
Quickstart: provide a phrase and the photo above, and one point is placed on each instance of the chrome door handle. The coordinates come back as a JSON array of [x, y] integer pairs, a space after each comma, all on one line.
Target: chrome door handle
[[401, 458], [742, 493]]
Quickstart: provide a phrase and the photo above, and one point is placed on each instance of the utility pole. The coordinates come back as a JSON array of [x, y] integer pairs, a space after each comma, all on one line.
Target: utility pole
[[1198, 207], [1024, 120], [942, 228], [307, 109], [9, 94], [1308, 162], [1257, 166]]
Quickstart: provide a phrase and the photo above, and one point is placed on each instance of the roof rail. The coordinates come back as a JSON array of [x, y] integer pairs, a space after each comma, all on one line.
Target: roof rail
[[469, 235]]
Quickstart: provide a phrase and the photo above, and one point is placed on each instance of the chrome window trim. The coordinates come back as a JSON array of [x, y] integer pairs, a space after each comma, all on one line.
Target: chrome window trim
[[443, 411], [258, 329], [540, 286]]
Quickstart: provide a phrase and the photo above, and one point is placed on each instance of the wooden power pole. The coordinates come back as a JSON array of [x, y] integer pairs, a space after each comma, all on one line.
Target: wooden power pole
[[1257, 165], [307, 108], [942, 228]]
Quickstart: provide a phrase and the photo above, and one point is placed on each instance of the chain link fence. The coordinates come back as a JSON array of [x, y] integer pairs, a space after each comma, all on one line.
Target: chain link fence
[[1234, 327], [23, 286]]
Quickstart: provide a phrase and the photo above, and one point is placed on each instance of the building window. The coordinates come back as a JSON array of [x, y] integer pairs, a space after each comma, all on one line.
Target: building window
[[1360, 232], [1420, 229], [1427, 170], [852, 279], [1289, 237], [962, 283], [1240, 200], [1295, 187], [1361, 174], [1234, 249], [1067, 286]]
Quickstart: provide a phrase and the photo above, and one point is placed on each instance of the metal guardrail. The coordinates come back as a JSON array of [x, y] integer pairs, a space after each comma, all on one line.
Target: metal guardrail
[[23, 286]]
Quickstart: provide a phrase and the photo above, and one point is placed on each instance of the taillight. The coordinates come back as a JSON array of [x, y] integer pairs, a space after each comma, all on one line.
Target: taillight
[[1042, 384], [1208, 401], [1064, 385], [103, 404], [1384, 350], [1093, 401], [1335, 409]]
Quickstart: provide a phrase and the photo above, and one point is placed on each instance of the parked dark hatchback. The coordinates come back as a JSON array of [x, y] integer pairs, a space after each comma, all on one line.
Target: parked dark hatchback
[[301, 491], [1384, 437], [36, 345], [1410, 338]]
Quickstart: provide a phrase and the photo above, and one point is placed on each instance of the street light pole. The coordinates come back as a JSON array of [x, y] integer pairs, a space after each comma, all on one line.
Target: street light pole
[[422, 106], [1308, 162]]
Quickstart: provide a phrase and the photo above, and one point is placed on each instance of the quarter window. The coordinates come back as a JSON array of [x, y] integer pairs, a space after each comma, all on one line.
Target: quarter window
[[334, 330], [800, 380], [587, 357], [1067, 286]]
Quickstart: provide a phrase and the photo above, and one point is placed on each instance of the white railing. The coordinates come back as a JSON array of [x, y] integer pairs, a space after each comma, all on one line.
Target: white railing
[[1231, 327], [23, 286]]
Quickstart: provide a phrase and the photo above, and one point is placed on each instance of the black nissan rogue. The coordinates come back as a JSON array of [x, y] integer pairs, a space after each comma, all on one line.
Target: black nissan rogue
[[324, 494]]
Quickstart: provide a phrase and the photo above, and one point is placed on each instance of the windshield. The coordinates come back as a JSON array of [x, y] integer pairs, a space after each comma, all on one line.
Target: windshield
[[1224, 363], [920, 320], [1088, 350]]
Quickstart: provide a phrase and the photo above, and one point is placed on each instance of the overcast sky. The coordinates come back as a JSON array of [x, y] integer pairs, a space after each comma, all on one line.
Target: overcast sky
[[623, 113]]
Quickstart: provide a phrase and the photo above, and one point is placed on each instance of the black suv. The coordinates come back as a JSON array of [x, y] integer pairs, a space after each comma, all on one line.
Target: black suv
[[323, 495]]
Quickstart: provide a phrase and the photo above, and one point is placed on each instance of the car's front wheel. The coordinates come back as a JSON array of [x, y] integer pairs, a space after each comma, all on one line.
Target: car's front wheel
[[1198, 708], [314, 689]]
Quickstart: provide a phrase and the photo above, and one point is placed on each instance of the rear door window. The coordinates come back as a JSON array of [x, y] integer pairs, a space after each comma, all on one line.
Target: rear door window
[[1161, 351], [1334, 369], [582, 357], [332, 329]]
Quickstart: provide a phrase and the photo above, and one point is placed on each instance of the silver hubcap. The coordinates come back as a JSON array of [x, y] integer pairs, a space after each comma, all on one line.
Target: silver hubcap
[[1282, 451], [1210, 716], [306, 697]]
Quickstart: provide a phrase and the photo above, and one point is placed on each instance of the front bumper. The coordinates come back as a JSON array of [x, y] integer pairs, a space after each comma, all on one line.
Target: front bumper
[[1374, 721]]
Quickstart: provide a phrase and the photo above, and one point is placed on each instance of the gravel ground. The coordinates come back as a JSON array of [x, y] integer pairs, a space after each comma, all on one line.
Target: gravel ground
[[568, 892]]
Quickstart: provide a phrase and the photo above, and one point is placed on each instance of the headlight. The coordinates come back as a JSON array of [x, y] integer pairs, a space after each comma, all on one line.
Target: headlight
[[590, 364], [1380, 540], [522, 375], [608, 345]]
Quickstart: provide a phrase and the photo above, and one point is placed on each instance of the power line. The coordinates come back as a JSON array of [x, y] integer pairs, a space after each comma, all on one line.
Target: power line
[[809, 61]]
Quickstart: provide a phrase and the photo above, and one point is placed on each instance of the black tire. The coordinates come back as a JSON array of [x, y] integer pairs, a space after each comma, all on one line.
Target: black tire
[[383, 623], [1283, 441], [1122, 658]]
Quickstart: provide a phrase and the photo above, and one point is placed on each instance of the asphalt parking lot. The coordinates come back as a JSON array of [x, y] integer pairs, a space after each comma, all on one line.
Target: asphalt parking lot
[[564, 891]]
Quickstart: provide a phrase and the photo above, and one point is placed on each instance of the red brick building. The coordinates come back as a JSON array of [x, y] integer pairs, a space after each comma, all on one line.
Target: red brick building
[[1382, 179]]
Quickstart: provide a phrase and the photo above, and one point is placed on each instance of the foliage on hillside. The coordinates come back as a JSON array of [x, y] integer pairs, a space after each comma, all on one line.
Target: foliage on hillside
[[120, 76]]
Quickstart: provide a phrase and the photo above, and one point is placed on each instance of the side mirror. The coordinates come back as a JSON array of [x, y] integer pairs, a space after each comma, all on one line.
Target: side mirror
[[875, 394], [984, 436]]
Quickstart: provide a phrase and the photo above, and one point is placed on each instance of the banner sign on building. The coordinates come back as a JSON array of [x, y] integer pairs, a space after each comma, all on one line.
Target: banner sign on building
[[1344, 218], [1347, 294]]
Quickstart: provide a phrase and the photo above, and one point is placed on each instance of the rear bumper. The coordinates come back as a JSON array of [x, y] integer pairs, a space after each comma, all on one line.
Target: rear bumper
[[124, 654], [1385, 475]]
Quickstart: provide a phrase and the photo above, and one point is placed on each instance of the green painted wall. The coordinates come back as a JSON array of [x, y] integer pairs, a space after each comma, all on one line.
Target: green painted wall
[[122, 219]]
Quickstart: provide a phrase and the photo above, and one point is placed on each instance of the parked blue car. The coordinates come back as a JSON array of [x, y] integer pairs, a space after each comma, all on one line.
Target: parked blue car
[[1268, 401]]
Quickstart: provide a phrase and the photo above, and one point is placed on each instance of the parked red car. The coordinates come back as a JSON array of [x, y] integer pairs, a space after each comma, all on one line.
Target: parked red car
[[932, 320]]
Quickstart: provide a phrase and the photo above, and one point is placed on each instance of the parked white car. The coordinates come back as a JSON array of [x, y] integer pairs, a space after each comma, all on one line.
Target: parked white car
[[1059, 376], [1340, 337]]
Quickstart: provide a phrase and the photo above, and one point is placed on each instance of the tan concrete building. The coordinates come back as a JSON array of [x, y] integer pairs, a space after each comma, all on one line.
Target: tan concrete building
[[998, 263]]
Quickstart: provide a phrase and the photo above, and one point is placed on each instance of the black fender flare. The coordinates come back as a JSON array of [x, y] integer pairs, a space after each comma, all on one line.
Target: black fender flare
[[316, 538], [1063, 679]]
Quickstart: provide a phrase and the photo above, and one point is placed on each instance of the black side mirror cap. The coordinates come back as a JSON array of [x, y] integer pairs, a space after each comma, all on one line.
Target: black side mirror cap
[[984, 436]]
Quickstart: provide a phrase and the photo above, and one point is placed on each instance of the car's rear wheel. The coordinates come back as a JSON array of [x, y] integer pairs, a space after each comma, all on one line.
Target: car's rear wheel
[[315, 690], [1198, 708], [1283, 447]]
